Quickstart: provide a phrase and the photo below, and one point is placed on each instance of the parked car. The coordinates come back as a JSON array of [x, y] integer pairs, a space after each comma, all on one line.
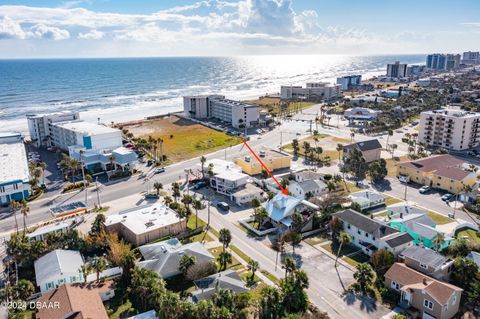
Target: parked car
[[150, 162], [223, 206], [159, 170], [151, 196], [424, 189], [199, 185], [447, 197]]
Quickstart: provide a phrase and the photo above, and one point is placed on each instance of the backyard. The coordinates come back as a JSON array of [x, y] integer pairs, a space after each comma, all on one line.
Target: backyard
[[348, 253]]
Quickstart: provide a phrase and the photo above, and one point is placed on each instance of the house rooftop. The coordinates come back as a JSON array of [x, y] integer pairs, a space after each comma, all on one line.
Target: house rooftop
[[399, 240], [48, 229], [411, 279], [435, 164], [57, 262], [312, 185], [86, 128], [425, 256], [364, 145], [308, 175], [145, 218], [13, 161], [76, 301], [365, 223], [207, 286]]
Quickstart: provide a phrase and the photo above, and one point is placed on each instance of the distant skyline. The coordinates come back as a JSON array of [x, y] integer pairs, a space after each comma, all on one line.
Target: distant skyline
[[121, 28]]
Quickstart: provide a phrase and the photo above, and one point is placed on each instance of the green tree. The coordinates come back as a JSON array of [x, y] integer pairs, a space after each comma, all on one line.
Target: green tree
[[271, 303], [438, 240], [23, 289], [175, 191], [390, 133], [99, 264], [147, 289], [335, 225], [464, 272], [377, 170], [225, 237], [296, 147], [343, 239], [260, 216], [158, 186], [364, 276], [186, 262], [355, 163], [224, 258], [203, 160], [14, 208], [196, 205], [293, 289], [24, 210], [85, 270], [473, 293], [98, 225], [290, 265], [253, 267], [382, 260]]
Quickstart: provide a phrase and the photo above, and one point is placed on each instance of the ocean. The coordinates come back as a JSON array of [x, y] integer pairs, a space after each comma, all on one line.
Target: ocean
[[122, 89]]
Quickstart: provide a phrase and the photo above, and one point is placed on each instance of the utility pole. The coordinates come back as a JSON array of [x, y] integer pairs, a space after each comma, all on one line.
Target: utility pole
[[405, 195], [208, 213], [83, 176], [98, 192]]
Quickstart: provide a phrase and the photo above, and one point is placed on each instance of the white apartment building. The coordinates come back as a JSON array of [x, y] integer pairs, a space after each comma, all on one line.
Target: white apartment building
[[349, 81], [14, 174], [470, 57], [450, 128], [314, 91], [396, 70], [236, 113], [40, 126]]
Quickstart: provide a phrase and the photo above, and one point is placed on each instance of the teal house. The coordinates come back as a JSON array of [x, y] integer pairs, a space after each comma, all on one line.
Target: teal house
[[416, 222]]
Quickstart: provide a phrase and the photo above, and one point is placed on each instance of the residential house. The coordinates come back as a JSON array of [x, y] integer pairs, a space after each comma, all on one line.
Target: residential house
[[306, 188], [143, 224], [475, 256], [306, 175], [429, 297], [54, 228], [367, 199], [57, 268], [362, 114], [207, 286], [370, 235], [371, 150], [281, 207], [164, 257], [416, 222], [273, 160], [444, 172], [428, 262], [76, 301]]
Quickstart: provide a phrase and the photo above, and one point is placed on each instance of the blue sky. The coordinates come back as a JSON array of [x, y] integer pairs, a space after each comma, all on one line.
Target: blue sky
[[101, 28]]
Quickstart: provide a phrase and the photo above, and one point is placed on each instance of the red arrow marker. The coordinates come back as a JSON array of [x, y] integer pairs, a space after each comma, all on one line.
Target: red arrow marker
[[284, 190]]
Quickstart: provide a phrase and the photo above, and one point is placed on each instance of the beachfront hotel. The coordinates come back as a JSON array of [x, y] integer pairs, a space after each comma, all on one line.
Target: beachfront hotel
[[443, 62], [236, 113], [313, 91], [396, 70], [14, 174], [450, 128], [97, 146], [349, 81]]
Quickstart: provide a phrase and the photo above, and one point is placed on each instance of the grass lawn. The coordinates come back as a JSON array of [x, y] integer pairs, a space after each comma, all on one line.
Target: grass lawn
[[341, 140], [235, 264], [183, 139], [333, 154], [389, 200], [123, 311], [255, 292], [438, 218], [381, 214], [191, 222], [315, 240], [470, 235], [272, 105], [270, 276], [203, 236], [352, 188], [332, 247], [356, 259], [240, 253]]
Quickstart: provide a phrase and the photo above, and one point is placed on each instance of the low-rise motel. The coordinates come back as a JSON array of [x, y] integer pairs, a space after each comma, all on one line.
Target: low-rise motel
[[444, 172], [14, 174], [272, 159]]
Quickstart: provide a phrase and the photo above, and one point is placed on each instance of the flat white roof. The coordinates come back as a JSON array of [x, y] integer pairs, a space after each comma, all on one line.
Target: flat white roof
[[145, 218], [48, 229], [13, 162], [220, 166], [86, 128], [231, 175]]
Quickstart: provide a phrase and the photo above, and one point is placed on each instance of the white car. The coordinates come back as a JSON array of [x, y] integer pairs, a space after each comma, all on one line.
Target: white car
[[424, 189]]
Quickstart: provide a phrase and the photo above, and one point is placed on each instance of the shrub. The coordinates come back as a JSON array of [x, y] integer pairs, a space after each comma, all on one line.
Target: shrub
[[200, 270], [327, 177]]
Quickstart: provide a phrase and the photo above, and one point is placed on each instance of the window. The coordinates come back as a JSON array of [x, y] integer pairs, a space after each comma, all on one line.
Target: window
[[358, 232], [348, 226], [428, 304], [423, 266], [366, 235], [15, 186], [2, 189], [445, 308], [395, 285], [454, 300]]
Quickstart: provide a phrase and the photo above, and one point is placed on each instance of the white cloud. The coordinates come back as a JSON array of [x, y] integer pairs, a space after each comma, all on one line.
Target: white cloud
[[47, 32], [91, 35], [10, 29]]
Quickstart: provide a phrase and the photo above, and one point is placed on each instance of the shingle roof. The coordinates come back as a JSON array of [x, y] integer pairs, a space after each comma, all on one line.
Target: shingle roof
[[409, 278], [164, 257], [312, 185], [56, 263], [399, 240], [307, 174], [365, 145], [445, 165], [365, 223], [228, 279], [75, 301], [425, 256]]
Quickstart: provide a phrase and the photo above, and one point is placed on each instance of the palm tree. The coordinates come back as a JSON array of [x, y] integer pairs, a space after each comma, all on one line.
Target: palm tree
[[99, 264], [364, 276], [224, 258], [24, 210], [158, 186], [14, 207], [394, 147], [352, 136], [43, 166], [225, 237], [85, 271], [175, 191], [112, 159], [187, 200], [196, 205], [210, 170], [203, 159], [343, 239], [260, 216], [253, 267], [167, 200], [284, 182], [438, 240], [331, 186], [289, 265], [186, 262]]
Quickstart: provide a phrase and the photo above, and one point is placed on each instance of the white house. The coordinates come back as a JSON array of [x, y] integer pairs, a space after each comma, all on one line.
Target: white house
[[367, 199], [281, 207], [370, 235], [307, 188]]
